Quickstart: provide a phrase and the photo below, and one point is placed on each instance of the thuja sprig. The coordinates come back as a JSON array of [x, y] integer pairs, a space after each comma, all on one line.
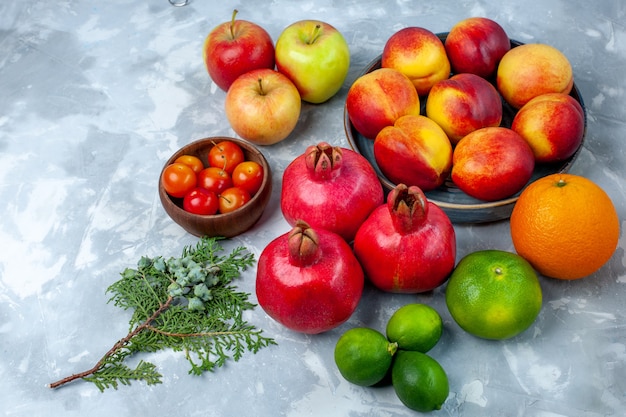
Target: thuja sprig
[[186, 304]]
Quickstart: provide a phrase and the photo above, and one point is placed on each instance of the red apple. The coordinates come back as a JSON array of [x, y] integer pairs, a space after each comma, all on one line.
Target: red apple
[[414, 151], [492, 163], [553, 125], [419, 54], [378, 98], [475, 45], [315, 56], [263, 106], [464, 103], [233, 48]]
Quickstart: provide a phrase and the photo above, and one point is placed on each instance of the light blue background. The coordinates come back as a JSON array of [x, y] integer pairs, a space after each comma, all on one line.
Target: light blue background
[[95, 96]]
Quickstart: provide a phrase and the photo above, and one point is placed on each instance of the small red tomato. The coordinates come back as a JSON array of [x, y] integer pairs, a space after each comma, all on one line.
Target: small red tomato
[[233, 198], [214, 179], [178, 179], [226, 155], [192, 161], [249, 176], [201, 201]]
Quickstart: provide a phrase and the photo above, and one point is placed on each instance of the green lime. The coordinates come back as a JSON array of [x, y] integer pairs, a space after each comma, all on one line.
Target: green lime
[[363, 356], [415, 327], [419, 381], [494, 294]]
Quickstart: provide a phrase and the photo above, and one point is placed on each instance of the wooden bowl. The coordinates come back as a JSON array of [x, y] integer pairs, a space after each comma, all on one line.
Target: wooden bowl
[[224, 225]]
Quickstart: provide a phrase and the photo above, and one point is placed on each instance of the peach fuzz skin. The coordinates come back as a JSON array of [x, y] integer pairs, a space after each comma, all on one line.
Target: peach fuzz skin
[[414, 151], [464, 103], [377, 99], [552, 124], [533, 69], [420, 55], [492, 163], [475, 45]]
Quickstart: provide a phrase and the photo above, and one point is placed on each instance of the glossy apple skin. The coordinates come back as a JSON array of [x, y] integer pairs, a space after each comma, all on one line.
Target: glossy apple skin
[[227, 55], [492, 163], [475, 46], [263, 115], [377, 99], [464, 103], [419, 54], [552, 124], [533, 69], [414, 151], [317, 61]]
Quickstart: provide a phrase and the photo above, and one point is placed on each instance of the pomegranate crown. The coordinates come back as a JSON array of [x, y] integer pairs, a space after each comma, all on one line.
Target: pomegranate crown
[[323, 160]]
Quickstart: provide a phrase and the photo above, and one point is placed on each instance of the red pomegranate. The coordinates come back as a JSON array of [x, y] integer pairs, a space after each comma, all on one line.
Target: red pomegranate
[[309, 280], [330, 188], [407, 245]]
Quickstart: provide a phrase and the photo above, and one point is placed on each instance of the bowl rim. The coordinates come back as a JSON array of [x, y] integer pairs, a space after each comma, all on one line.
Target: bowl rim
[[478, 204]]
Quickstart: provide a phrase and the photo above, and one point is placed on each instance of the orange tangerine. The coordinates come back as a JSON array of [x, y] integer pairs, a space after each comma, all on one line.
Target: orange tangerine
[[565, 225]]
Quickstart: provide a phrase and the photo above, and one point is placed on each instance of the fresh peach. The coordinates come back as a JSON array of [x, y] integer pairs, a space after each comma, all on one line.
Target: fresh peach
[[414, 151], [378, 98], [553, 125], [419, 54], [464, 103], [492, 163], [533, 69], [475, 45]]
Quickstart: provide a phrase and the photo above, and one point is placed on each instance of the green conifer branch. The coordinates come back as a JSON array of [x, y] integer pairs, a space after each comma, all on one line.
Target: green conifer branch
[[186, 304]]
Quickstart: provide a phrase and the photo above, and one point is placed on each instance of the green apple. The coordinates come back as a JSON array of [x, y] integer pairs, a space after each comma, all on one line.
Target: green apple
[[315, 56]]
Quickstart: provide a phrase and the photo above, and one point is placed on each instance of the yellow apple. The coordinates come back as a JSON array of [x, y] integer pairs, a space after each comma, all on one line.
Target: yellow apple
[[263, 106]]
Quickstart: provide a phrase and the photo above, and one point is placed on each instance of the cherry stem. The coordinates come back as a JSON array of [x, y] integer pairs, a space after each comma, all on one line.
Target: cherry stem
[[217, 145], [232, 24], [219, 148]]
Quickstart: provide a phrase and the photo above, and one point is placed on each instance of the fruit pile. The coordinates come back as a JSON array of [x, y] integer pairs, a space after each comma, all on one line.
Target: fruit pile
[[265, 84], [227, 183], [311, 279], [365, 357], [434, 109]]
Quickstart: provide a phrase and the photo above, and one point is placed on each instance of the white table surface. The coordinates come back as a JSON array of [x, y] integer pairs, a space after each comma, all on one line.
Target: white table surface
[[95, 96]]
